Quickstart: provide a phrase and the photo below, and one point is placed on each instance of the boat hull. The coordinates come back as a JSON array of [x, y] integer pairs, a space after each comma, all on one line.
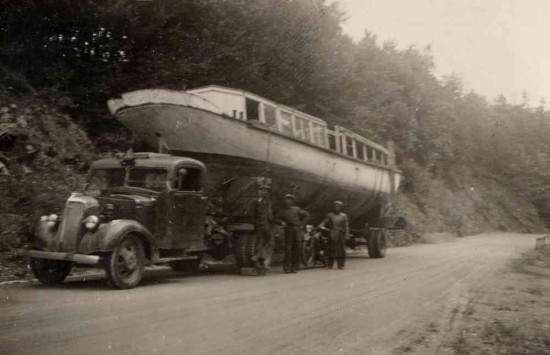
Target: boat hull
[[235, 151]]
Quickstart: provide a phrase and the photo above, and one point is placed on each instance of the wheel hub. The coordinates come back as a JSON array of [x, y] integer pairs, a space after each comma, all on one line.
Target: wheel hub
[[128, 259]]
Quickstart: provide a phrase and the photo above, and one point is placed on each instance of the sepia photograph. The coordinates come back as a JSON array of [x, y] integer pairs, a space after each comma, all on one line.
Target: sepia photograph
[[275, 177]]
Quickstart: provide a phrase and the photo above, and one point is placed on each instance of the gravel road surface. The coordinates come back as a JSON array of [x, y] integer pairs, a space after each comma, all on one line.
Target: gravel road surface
[[372, 307]]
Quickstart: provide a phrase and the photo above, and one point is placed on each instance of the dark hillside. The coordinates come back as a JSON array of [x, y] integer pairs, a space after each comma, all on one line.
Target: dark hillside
[[470, 165], [43, 158]]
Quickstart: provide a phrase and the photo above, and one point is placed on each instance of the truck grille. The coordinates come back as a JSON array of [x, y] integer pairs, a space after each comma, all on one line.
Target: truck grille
[[70, 228]]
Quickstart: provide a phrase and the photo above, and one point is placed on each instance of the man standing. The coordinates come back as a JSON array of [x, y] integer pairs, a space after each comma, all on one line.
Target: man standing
[[337, 223], [262, 217], [293, 218]]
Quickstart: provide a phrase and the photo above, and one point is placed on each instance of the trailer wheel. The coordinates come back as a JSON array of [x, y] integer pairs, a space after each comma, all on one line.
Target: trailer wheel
[[186, 265], [246, 248], [50, 272], [126, 263], [377, 243]]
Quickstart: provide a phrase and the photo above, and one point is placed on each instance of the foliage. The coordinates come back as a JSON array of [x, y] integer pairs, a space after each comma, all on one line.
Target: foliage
[[84, 51]]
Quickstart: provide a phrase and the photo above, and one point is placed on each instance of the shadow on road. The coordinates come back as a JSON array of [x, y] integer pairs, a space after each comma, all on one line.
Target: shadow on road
[[87, 279]]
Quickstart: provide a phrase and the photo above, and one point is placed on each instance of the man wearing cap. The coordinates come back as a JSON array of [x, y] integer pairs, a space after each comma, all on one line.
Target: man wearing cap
[[293, 218], [262, 217], [337, 223]]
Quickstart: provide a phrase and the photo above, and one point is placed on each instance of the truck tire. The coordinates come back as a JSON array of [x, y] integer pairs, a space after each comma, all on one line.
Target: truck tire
[[126, 263], [186, 265], [246, 248], [50, 272], [220, 252], [377, 243]]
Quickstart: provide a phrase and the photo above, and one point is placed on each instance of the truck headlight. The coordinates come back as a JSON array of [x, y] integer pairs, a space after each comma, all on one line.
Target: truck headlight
[[91, 222], [51, 220]]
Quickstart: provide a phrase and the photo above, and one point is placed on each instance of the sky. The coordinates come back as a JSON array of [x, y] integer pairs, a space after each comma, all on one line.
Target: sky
[[494, 46]]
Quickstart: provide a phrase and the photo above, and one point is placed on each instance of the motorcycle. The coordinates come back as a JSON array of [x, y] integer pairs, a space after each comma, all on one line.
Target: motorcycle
[[313, 245]]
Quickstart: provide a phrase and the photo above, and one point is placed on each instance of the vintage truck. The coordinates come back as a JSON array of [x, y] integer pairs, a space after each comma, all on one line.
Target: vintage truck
[[216, 145], [136, 210]]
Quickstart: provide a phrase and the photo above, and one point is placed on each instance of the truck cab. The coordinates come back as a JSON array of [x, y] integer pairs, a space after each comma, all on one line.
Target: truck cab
[[137, 209]]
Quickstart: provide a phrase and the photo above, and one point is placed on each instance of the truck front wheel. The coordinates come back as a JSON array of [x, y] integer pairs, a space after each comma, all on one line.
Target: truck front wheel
[[50, 272], [377, 243], [126, 263]]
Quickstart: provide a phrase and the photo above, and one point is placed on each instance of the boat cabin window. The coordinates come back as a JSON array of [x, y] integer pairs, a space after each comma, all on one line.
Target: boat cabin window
[[299, 124], [318, 134], [359, 147], [348, 144], [307, 130], [332, 140], [384, 159], [252, 110], [187, 179], [285, 122], [378, 156], [270, 116]]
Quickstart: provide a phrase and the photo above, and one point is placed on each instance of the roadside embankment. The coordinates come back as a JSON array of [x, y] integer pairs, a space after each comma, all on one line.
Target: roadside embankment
[[509, 314]]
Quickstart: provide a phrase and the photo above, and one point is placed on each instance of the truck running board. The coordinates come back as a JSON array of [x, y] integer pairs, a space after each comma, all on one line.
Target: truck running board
[[167, 260]]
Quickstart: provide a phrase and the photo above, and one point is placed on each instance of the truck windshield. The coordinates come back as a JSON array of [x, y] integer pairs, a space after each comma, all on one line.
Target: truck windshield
[[146, 178], [104, 178]]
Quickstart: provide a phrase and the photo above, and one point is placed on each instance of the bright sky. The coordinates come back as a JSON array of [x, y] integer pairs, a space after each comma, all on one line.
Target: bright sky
[[495, 46]]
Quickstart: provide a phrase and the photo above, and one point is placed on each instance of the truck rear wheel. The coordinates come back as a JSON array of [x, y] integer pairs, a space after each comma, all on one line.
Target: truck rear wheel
[[50, 272], [126, 263], [377, 243], [186, 265], [246, 248]]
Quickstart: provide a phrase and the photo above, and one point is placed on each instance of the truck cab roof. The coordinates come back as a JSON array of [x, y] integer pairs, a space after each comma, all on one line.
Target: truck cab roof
[[148, 160]]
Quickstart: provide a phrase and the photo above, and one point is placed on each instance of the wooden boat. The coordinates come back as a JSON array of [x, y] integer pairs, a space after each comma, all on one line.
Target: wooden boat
[[238, 134]]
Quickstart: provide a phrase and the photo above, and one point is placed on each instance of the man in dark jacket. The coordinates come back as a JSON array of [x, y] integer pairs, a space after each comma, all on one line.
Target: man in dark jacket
[[337, 223], [262, 217], [293, 218]]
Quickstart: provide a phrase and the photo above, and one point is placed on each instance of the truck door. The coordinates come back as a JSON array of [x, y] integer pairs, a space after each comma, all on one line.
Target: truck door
[[181, 212]]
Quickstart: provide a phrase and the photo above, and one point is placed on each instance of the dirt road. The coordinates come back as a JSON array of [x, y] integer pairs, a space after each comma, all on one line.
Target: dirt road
[[372, 307]]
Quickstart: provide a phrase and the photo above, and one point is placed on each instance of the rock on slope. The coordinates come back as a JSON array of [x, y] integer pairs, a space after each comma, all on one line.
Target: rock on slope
[[43, 157]]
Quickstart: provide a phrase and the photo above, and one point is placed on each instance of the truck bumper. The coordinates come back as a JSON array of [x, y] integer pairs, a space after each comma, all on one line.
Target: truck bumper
[[76, 258]]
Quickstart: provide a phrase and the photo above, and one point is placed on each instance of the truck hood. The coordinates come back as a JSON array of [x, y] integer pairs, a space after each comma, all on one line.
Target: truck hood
[[125, 206]]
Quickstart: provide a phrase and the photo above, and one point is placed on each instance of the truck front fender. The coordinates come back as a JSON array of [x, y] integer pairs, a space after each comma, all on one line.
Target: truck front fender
[[107, 235], [43, 236]]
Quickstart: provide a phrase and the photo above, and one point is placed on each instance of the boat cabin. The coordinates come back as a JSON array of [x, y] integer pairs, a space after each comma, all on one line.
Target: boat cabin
[[247, 107]]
